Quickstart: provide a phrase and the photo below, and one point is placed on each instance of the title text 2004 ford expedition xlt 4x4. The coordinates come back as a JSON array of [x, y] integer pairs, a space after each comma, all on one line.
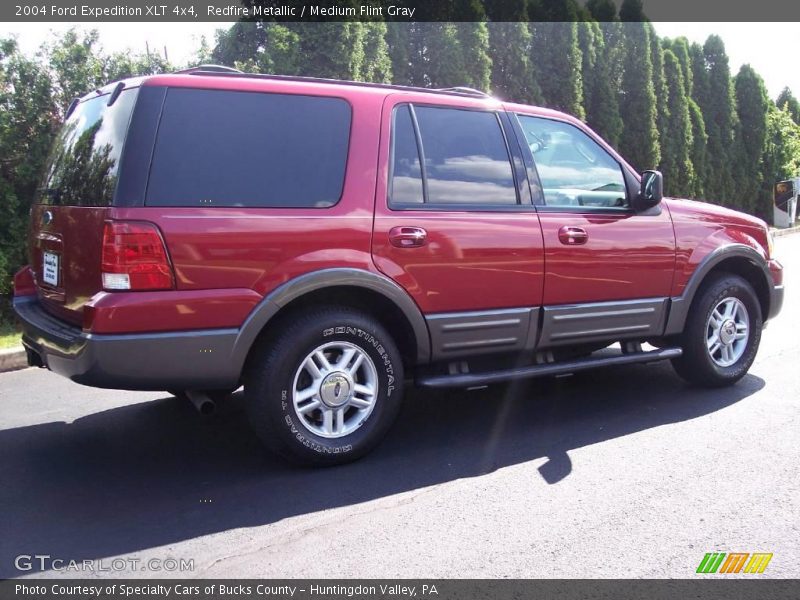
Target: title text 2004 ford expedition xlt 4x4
[[320, 241]]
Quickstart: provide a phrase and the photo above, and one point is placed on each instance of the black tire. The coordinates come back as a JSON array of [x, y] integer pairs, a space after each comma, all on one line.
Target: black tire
[[696, 364], [271, 376]]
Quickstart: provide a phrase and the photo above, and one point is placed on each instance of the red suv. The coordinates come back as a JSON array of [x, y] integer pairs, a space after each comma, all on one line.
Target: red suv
[[321, 241]]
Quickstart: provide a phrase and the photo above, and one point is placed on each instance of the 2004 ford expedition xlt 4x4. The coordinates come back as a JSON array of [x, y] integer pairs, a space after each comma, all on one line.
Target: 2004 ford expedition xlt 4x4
[[320, 242]]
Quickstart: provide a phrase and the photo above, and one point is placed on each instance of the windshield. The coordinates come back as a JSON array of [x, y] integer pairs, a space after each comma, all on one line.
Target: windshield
[[83, 163]]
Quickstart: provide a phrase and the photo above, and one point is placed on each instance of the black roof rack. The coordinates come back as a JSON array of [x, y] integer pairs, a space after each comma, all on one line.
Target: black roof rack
[[221, 71], [210, 69], [460, 89]]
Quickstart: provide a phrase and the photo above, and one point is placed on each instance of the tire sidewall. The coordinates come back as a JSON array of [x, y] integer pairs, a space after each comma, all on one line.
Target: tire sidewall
[[277, 402], [729, 287]]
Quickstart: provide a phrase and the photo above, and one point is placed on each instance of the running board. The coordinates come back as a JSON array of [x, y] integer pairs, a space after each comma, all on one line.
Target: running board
[[541, 370]]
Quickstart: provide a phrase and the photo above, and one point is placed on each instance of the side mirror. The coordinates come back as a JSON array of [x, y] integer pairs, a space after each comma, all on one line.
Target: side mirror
[[651, 191]]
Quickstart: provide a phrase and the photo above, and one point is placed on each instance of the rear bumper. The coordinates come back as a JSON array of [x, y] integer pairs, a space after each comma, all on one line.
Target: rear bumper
[[200, 359]]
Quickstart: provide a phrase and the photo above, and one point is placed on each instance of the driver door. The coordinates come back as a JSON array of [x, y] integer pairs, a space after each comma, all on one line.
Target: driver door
[[608, 269]]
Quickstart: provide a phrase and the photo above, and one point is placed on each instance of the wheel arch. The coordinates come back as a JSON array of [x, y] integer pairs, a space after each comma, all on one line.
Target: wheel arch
[[737, 259], [370, 292]]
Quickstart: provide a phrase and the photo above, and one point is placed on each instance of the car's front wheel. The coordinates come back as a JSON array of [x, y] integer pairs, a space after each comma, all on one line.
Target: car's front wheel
[[326, 388], [722, 333]]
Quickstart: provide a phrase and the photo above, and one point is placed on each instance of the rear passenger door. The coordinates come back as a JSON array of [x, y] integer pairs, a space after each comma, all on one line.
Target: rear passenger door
[[455, 225]]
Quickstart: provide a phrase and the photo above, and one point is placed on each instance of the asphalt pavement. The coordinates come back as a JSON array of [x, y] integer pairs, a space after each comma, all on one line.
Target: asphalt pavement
[[624, 472]]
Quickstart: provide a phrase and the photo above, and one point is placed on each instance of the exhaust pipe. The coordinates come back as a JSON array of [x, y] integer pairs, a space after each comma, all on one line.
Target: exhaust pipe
[[204, 405]]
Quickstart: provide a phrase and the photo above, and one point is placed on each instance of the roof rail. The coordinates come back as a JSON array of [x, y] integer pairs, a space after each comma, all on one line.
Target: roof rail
[[460, 89], [218, 71], [210, 69]]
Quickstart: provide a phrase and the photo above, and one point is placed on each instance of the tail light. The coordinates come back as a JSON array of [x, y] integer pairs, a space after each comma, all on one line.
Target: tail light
[[134, 257]]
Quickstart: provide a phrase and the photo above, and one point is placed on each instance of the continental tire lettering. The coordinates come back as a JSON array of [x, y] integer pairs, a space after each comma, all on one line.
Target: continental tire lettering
[[311, 444], [371, 340]]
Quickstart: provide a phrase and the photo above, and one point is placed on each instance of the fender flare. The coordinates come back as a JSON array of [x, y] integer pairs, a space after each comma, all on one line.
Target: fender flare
[[309, 282], [679, 307]]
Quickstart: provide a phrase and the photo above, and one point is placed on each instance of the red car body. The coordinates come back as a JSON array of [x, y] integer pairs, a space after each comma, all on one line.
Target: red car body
[[236, 268]]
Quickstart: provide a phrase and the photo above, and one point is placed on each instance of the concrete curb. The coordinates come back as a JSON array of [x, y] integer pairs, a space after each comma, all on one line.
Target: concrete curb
[[13, 359], [782, 232]]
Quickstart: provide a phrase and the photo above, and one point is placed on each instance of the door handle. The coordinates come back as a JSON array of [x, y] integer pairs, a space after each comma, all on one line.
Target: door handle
[[572, 236], [407, 237]]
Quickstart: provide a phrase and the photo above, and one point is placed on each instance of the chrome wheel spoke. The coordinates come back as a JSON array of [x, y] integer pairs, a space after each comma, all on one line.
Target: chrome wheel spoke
[[364, 390], [345, 359], [309, 392], [307, 409], [727, 331], [327, 420], [312, 368], [338, 426], [323, 361], [342, 391], [356, 364], [360, 402]]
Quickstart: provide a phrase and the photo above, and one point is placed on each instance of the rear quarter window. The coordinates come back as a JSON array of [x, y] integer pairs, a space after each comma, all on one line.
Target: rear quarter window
[[84, 159], [249, 149]]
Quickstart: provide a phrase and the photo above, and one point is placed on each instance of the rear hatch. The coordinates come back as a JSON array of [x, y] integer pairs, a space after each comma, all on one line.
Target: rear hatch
[[74, 200]]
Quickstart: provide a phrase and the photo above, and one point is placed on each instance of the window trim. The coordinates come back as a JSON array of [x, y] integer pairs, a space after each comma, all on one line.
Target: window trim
[[348, 148], [519, 205], [539, 198]]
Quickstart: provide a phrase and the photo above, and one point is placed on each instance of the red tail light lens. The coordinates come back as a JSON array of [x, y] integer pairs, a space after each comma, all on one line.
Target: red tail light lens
[[134, 257]]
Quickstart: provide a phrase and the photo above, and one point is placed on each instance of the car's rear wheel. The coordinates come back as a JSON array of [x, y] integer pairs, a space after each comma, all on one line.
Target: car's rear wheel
[[325, 389], [722, 333]]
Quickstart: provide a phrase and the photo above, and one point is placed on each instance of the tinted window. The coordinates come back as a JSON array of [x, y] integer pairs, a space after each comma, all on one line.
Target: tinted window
[[220, 148], [466, 159], [82, 167], [406, 182], [574, 169]]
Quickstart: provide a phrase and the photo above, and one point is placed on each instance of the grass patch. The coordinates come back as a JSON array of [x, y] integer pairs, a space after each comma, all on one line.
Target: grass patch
[[9, 336]]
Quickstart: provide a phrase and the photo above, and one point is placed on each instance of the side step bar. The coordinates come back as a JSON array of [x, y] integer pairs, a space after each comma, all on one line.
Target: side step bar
[[562, 368]]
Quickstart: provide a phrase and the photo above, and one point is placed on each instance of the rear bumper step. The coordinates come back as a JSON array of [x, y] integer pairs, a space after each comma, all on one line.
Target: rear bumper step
[[542, 370]]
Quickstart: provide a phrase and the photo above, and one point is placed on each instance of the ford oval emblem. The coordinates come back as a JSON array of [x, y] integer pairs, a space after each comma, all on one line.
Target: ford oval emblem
[[47, 217]]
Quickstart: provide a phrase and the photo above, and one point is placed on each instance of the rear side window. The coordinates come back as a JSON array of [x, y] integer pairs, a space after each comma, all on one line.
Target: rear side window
[[464, 158], [83, 163], [246, 149]]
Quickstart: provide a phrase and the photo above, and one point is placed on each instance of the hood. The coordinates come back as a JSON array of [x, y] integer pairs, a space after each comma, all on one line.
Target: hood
[[712, 213]]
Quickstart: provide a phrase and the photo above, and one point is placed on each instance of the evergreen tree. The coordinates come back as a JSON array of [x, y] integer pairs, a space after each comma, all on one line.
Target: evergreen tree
[[473, 43], [330, 49], [512, 72], [699, 151], [377, 65], [513, 76], [602, 10], [680, 47], [719, 113], [601, 100], [398, 46], [781, 157], [557, 57], [676, 136], [639, 141], [632, 11], [787, 99], [752, 103], [663, 107]]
